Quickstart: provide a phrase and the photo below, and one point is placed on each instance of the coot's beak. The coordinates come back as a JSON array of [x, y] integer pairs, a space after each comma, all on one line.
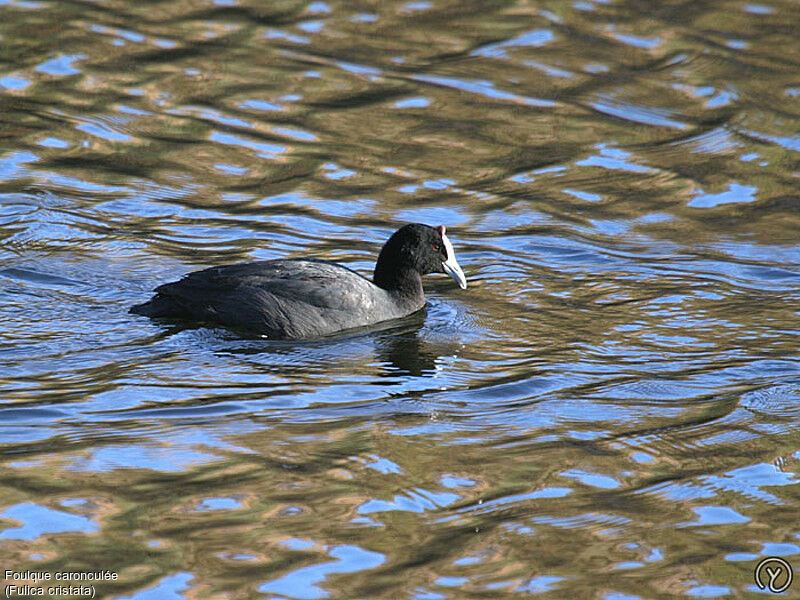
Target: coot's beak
[[451, 266]]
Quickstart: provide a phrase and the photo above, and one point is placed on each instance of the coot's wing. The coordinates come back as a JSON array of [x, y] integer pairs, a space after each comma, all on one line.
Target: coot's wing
[[314, 282], [280, 298]]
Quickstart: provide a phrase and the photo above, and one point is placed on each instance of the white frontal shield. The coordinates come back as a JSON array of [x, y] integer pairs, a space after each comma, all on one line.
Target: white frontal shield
[[451, 266]]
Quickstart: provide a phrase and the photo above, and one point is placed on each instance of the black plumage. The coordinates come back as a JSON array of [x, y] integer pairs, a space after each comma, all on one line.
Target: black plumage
[[305, 298]]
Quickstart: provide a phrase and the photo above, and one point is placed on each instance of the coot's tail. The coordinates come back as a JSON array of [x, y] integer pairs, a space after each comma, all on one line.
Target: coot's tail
[[157, 306]]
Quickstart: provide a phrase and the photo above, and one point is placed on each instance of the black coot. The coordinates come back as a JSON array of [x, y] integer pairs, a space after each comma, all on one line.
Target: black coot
[[306, 298]]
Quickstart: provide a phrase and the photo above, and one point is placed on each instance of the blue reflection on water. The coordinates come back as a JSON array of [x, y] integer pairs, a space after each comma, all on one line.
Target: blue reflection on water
[[61, 65], [538, 585], [450, 581], [592, 479], [103, 132], [273, 34], [209, 504], [483, 87], [356, 68], [318, 8], [638, 114], [131, 36], [311, 26], [110, 458], [759, 9], [788, 142], [261, 105], [451, 481], [416, 6], [415, 102], [613, 159], [297, 544], [708, 591], [14, 83], [581, 195], [11, 165], [736, 192], [297, 134], [265, 150], [169, 588], [716, 515], [777, 549], [750, 480], [638, 41], [417, 501], [364, 18], [384, 465], [302, 583], [38, 520], [53, 142], [534, 39]]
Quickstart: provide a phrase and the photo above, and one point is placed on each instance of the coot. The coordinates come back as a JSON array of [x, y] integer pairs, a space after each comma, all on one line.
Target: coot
[[307, 298]]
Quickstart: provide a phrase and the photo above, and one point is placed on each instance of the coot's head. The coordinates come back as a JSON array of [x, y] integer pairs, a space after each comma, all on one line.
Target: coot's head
[[420, 248]]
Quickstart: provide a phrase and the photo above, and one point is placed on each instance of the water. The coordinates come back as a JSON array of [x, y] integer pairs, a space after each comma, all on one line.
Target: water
[[609, 411]]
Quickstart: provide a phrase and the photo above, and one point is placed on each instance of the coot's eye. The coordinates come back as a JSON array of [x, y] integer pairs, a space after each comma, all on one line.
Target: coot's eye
[[436, 247]]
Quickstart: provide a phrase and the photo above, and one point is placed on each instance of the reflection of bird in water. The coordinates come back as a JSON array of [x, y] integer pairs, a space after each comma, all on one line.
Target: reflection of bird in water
[[406, 354]]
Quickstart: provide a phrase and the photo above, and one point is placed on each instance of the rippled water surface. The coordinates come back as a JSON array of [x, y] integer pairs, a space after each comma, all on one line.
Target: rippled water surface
[[609, 411]]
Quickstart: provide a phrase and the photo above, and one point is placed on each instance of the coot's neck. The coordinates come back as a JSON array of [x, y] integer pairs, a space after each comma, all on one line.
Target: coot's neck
[[402, 282]]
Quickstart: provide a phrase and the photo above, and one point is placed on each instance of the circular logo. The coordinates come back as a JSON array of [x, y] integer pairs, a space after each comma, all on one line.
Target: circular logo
[[774, 574]]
